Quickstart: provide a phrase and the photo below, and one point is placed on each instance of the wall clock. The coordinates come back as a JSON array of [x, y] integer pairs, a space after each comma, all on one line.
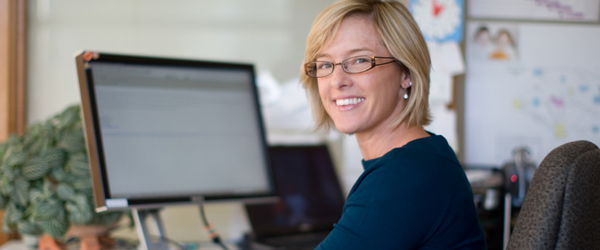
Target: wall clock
[[439, 20]]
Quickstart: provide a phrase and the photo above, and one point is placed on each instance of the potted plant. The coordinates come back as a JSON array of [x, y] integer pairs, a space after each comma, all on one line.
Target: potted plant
[[45, 184]]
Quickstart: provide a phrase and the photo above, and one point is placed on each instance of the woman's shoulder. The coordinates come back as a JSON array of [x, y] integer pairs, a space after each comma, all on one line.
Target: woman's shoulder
[[421, 154], [429, 161]]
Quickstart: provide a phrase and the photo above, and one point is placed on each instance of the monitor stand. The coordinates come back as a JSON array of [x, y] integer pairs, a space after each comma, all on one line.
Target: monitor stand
[[140, 216]]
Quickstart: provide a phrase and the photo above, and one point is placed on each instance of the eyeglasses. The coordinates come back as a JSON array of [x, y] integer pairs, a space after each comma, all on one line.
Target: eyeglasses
[[352, 65]]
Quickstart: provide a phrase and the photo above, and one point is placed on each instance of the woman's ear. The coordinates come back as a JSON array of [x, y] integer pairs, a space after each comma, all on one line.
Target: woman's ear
[[406, 81]]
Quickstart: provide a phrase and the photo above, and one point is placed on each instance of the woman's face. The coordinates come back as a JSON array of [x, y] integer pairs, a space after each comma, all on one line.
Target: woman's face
[[375, 96]]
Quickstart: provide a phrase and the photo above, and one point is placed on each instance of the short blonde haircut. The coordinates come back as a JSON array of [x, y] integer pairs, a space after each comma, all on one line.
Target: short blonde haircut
[[401, 36]]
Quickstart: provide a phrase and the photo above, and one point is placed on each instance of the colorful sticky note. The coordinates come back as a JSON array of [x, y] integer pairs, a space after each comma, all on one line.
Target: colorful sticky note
[[560, 131]]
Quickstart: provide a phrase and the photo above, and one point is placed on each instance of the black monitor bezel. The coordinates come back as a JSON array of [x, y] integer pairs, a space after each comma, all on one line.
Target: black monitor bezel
[[93, 132]]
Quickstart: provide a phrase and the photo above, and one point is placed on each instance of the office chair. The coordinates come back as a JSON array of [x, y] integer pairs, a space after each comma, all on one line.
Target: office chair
[[562, 206]]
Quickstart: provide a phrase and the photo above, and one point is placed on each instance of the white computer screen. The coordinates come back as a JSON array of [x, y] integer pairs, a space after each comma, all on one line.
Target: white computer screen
[[176, 131]]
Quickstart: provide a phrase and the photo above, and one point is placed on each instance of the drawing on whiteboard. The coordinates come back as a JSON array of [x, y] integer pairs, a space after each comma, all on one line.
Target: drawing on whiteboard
[[564, 10], [564, 99], [548, 97], [483, 44], [558, 10], [494, 42], [505, 47]]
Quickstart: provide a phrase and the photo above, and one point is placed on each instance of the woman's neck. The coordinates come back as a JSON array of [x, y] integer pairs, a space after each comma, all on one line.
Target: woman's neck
[[375, 144]]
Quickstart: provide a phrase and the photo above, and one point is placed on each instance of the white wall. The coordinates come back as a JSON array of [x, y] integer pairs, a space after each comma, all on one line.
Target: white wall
[[269, 33]]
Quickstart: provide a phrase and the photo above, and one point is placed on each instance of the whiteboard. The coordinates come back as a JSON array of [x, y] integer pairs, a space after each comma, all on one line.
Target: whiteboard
[[545, 94]]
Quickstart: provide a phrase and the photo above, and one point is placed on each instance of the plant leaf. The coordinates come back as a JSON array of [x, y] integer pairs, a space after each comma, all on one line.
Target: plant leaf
[[6, 187], [83, 213], [79, 215], [65, 191], [5, 227], [78, 165], [16, 158], [70, 116], [109, 218], [8, 172], [45, 210], [49, 130], [83, 184], [3, 148], [39, 144], [30, 228], [47, 188], [35, 169], [58, 173], [54, 157], [21, 191], [73, 141], [36, 195], [81, 200], [56, 227], [12, 213]]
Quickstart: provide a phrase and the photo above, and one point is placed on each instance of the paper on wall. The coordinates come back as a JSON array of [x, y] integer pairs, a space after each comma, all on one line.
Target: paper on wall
[[446, 58], [440, 88], [286, 112], [444, 123]]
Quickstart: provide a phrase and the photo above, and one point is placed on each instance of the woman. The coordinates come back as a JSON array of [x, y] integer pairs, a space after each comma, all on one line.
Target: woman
[[367, 72]]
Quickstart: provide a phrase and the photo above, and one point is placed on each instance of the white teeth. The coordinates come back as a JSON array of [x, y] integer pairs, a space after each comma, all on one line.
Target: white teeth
[[349, 101]]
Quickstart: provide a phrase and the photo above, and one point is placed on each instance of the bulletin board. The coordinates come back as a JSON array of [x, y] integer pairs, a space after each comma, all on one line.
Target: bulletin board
[[529, 84]]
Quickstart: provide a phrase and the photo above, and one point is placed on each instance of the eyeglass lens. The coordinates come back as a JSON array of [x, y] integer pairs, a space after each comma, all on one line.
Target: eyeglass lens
[[351, 65]]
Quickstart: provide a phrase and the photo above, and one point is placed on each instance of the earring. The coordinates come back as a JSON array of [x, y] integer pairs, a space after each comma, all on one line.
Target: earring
[[409, 83], [405, 94]]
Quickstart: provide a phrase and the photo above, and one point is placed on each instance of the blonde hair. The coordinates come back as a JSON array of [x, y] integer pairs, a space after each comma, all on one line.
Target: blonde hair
[[400, 35]]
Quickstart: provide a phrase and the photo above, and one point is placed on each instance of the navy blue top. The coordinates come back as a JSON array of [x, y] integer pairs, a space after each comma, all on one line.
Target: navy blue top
[[414, 197]]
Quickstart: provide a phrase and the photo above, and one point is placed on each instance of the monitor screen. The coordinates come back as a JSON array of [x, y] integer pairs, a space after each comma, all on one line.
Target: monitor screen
[[171, 131], [311, 197]]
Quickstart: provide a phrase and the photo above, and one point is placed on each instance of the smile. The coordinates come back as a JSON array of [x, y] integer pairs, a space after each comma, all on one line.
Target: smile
[[348, 101]]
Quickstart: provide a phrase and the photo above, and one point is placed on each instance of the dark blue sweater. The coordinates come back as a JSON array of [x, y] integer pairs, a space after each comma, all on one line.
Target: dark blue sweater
[[414, 197]]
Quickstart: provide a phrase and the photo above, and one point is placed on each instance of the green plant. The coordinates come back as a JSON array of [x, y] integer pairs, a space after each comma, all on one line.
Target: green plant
[[45, 183]]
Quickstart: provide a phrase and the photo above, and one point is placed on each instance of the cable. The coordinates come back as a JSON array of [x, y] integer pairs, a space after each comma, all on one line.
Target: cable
[[179, 245], [212, 233]]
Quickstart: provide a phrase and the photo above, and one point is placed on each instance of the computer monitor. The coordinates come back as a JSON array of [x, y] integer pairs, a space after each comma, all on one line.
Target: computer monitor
[[171, 131], [311, 199]]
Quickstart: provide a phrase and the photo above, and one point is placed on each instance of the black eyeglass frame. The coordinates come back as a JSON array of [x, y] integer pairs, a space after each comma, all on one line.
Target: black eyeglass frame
[[373, 65]]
